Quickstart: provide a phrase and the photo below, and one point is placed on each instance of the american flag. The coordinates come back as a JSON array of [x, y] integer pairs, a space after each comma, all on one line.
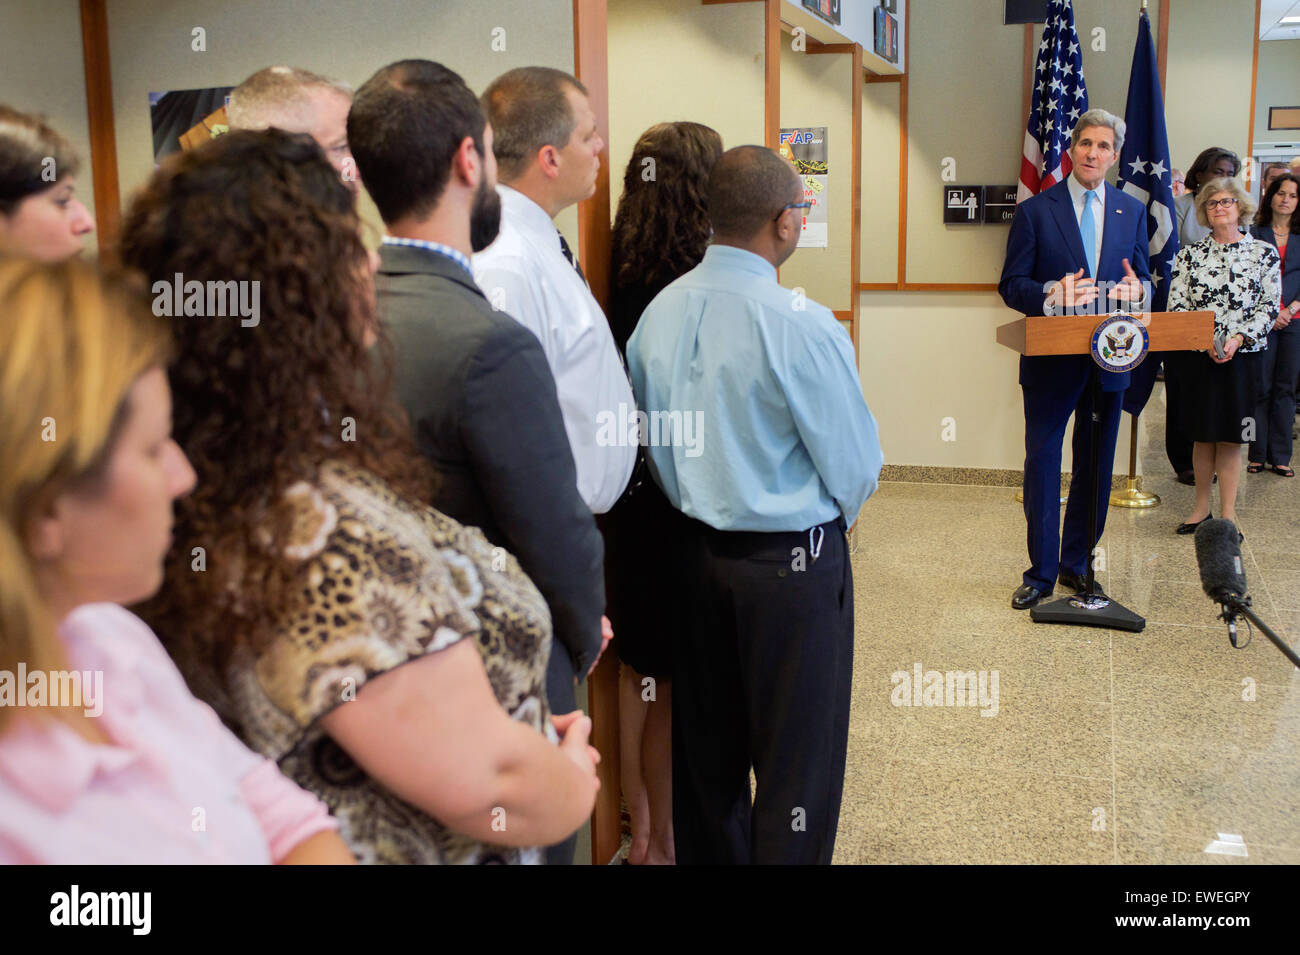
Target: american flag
[[1060, 98]]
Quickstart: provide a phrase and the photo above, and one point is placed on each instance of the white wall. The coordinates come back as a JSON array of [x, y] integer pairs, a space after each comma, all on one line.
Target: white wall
[[675, 60], [880, 179], [926, 356], [964, 97], [150, 46], [1211, 52], [1278, 85]]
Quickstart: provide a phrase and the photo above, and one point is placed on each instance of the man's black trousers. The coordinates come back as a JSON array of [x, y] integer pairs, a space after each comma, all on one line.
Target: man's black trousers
[[763, 671]]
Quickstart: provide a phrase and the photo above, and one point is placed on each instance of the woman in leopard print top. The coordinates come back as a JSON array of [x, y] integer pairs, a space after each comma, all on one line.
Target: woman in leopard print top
[[384, 582], [390, 660]]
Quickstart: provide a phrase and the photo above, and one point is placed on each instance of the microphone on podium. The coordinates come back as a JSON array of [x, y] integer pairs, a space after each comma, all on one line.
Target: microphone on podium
[[1218, 556]]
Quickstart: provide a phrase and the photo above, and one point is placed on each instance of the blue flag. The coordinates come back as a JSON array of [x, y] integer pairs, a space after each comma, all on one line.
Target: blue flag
[[1144, 172]]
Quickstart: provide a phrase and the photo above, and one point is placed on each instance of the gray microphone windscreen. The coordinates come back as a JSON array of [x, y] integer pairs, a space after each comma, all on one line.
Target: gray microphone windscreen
[[1218, 555]]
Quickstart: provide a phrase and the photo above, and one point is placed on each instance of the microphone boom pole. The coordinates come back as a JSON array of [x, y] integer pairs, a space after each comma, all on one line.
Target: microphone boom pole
[[1237, 605]]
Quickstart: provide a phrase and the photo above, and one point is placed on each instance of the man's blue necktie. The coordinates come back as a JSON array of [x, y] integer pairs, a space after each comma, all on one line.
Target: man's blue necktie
[[1088, 230]]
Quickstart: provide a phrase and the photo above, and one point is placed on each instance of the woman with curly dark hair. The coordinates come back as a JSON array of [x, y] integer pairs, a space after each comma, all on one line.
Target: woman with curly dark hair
[[662, 226], [389, 659], [660, 233]]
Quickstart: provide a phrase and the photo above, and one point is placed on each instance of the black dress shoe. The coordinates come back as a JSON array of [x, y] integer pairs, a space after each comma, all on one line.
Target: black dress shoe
[[1191, 528], [1077, 582], [1026, 596]]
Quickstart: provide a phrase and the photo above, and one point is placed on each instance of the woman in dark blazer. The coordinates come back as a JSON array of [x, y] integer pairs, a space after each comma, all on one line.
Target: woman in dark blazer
[[1278, 224]]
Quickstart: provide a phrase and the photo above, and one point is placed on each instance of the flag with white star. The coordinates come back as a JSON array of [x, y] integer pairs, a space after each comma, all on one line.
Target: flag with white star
[[1060, 98], [1144, 168]]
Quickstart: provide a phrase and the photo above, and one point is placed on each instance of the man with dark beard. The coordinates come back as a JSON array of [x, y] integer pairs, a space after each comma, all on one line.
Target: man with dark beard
[[475, 383]]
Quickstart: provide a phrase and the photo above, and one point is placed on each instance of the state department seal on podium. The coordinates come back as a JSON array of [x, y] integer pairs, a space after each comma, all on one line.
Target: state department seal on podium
[[1120, 343]]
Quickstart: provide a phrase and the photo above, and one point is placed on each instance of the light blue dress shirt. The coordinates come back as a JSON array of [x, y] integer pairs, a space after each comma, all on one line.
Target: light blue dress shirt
[[783, 439]]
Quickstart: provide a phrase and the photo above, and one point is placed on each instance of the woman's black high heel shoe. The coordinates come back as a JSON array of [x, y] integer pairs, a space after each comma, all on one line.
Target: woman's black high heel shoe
[[1191, 528]]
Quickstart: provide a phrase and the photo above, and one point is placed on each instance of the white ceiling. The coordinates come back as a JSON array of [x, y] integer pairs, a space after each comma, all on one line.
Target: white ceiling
[[1270, 12]]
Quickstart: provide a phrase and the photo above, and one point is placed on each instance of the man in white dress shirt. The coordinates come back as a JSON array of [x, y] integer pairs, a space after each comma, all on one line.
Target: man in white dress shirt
[[548, 154]]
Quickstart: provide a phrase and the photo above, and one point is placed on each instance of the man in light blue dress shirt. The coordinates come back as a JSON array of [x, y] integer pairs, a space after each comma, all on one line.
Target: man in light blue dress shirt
[[758, 432]]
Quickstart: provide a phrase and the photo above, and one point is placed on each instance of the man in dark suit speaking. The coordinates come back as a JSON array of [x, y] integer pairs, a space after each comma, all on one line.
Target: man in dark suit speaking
[[1079, 247]]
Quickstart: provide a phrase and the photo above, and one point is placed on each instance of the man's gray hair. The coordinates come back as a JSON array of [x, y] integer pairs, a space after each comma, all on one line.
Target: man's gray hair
[[1100, 117], [275, 97]]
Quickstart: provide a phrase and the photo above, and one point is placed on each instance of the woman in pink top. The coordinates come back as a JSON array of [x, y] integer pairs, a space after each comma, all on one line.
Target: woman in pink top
[[105, 757]]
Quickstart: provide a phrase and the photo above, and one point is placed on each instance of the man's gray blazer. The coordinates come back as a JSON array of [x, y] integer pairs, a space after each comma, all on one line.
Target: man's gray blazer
[[483, 404]]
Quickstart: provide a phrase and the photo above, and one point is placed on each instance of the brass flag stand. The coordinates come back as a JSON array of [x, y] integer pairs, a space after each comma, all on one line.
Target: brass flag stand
[[1133, 495]]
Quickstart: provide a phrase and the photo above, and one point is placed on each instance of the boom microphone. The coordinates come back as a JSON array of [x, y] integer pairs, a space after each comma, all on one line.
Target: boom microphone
[[1218, 555]]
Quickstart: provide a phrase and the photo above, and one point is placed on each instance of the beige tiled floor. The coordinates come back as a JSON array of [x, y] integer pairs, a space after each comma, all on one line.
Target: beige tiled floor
[[1106, 747]]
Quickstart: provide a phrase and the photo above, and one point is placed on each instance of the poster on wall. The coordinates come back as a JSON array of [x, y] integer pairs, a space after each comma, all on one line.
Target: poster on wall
[[183, 119], [886, 35], [805, 146]]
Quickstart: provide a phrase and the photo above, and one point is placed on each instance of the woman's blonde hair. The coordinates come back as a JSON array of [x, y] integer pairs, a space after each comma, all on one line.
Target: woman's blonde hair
[[1245, 208], [71, 345]]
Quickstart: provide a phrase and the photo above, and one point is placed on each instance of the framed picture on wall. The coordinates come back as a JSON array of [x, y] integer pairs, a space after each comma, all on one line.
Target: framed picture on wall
[[184, 119], [1284, 117]]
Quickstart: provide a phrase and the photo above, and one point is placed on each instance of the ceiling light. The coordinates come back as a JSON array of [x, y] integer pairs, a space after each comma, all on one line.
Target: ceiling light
[[1289, 20]]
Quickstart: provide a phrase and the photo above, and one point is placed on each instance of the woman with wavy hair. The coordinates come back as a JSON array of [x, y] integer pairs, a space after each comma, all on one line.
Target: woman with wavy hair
[[105, 757], [389, 659], [660, 233], [40, 216]]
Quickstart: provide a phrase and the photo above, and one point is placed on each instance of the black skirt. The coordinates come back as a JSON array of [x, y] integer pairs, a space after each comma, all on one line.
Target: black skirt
[[644, 578], [1217, 402]]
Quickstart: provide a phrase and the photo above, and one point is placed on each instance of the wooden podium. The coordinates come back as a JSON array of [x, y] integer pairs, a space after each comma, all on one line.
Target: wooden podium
[[1072, 334], [1044, 335]]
